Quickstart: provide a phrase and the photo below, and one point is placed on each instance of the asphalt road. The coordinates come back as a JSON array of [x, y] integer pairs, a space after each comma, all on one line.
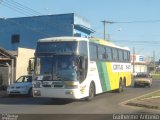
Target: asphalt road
[[108, 103]]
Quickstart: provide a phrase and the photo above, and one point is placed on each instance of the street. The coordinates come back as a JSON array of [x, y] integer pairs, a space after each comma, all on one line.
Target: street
[[108, 103]]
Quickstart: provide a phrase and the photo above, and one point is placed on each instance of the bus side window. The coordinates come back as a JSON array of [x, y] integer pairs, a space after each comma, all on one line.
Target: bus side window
[[108, 53], [115, 54], [125, 56], [101, 53], [93, 52], [120, 55]]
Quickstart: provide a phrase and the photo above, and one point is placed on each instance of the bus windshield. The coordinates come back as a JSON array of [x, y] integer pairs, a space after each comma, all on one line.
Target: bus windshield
[[57, 67], [57, 47]]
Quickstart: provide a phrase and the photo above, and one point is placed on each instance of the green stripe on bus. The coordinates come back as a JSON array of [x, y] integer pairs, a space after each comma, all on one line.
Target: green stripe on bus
[[101, 76], [105, 73]]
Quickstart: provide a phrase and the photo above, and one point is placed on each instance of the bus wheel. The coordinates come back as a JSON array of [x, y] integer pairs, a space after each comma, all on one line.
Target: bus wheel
[[91, 92], [121, 87]]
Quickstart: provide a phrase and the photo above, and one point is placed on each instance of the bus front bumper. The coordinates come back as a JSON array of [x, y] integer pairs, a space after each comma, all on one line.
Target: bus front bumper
[[58, 93]]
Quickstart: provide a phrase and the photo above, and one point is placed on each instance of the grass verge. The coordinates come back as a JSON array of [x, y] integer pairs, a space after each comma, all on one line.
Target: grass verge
[[150, 101], [155, 76]]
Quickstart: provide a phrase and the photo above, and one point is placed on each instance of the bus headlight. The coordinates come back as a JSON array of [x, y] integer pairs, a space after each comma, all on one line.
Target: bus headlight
[[71, 85]]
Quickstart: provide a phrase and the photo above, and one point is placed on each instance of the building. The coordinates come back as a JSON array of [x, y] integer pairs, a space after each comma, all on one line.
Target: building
[[13, 64], [7, 67], [25, 31], [139, 63], [18, 37]]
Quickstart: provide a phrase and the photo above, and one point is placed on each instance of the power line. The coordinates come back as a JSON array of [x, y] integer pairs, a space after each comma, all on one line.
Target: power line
[[104, 26], [138, 42], [143, 21], [19, 8], [144, 41], [105, 22], [27, 8], [15, 9], [25, 11]]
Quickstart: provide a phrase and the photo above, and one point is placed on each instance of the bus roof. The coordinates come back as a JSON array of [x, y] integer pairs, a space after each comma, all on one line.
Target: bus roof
[[94, 40], [65, 38], [107, 43]]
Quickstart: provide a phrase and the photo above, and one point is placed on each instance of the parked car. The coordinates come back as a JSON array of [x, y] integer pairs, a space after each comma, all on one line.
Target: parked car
[[142, 79], [23, 85]]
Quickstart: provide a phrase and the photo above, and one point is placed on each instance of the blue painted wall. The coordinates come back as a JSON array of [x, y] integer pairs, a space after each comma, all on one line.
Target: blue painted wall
[[31, 29]]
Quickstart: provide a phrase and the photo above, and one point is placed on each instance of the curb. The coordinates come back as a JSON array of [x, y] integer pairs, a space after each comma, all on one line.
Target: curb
[[138, 97], [133, 102], [142, 105]]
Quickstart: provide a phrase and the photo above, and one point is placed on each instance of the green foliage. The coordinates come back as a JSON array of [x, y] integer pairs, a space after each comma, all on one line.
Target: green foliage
[[155, 76]]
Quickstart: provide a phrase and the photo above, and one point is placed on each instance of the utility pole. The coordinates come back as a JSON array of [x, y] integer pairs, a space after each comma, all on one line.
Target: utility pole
[[154, 61], [133, 60], [104, 27]]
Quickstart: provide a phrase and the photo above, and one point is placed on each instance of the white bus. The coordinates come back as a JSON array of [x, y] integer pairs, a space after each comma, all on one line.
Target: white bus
[[76, 68]]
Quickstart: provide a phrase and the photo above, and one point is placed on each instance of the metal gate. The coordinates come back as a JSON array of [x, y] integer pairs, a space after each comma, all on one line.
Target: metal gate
[[4, 75]]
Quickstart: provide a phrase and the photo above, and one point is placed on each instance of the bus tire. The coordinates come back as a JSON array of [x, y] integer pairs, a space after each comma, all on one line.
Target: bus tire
[[125, 84], [91, 92], [121, 86], [149, 85]]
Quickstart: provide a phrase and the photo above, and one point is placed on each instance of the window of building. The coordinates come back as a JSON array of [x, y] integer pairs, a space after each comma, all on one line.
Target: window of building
[[15, 39]]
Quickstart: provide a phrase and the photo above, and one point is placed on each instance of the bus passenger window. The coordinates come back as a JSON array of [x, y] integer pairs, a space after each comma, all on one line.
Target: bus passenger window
[[120, 54], [115, 54], [125, 56], [108, 53], [93, 52], [101, 53]]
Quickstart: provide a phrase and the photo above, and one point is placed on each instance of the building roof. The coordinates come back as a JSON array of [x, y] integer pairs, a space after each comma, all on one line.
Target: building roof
[[5, 55], [83, 28], [14, 53]]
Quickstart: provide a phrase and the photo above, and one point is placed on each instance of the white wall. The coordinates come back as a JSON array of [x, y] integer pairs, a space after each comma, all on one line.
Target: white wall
[[22, 60], [140, 68]]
